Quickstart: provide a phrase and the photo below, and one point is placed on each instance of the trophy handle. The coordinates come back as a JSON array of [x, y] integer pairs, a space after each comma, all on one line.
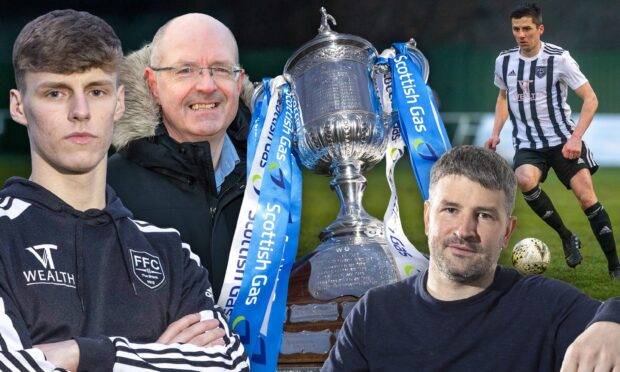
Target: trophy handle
[[418, 58], [378, 74], [416, 55], [259, 91]]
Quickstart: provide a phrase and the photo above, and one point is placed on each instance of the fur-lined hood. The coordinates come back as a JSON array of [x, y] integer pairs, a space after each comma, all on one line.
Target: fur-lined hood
[[142, 113]]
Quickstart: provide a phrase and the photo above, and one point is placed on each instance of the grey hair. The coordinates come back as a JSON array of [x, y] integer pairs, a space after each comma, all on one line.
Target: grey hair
[[480, 165], [155, 57]]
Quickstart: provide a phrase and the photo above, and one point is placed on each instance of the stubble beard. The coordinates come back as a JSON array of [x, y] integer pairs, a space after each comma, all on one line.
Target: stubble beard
[[475, 270]]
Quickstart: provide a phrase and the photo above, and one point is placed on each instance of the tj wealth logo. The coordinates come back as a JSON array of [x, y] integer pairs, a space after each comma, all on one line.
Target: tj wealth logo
[[48, 274], [45, 255], [526, 94]]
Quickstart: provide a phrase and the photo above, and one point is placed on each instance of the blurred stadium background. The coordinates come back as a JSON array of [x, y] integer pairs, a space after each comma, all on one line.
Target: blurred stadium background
[[461, 39]]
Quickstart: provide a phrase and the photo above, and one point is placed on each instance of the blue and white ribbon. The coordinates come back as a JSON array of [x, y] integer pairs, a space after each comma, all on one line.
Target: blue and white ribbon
[[237, 259], [267, 229], [270, 337], [420, 123], [417, 126]]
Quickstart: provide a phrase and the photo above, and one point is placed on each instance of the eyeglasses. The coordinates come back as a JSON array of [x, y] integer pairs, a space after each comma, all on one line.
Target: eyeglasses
[[190, 72]]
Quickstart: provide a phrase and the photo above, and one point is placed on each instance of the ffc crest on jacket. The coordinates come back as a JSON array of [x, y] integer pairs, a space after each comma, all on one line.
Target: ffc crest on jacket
[[173, 184], [112, 283]]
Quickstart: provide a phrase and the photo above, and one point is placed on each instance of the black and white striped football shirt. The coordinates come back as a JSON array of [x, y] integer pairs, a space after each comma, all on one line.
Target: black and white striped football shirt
[[536, 90]]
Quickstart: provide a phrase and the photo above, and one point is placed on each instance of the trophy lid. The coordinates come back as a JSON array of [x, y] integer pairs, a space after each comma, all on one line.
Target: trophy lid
[[326, 39]]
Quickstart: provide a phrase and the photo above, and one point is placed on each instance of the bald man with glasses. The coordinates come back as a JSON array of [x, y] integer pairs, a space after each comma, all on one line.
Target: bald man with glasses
[[181, 145]]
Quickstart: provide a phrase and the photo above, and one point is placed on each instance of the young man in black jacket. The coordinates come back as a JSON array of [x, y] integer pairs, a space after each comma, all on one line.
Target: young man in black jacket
[[466, 313], [181, 158], [83, 286]]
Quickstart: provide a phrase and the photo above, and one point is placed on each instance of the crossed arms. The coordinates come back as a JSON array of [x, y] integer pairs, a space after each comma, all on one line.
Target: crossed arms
[[199, 341]]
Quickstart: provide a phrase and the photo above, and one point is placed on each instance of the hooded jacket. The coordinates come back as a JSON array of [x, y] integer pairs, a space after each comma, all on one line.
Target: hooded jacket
[[112, 283], [173, 184]]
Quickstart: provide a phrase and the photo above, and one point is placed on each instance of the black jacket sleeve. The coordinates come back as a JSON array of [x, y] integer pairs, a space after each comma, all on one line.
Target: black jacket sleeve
[[16, 351]]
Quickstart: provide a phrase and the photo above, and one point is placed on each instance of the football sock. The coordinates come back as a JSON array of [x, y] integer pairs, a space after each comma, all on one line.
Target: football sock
[[601, 226], [540, 203]]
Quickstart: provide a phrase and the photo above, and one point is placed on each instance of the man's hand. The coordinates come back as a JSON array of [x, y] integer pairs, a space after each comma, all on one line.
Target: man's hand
[[596, 349], [190, 330], [572, 148], [63, 354], [492, 143]]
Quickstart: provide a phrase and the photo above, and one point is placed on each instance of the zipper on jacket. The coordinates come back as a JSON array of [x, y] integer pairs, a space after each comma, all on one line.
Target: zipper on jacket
[[227, 188], [230, 196]]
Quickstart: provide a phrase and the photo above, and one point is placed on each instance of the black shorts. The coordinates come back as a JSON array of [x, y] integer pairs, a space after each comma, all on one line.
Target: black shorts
[[552, 157]]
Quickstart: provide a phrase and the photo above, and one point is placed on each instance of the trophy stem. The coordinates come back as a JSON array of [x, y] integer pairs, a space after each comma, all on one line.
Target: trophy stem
[[349, 184]]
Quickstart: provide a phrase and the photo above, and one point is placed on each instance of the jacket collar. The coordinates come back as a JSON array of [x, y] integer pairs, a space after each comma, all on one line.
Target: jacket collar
[[34, 193], [189, 162]]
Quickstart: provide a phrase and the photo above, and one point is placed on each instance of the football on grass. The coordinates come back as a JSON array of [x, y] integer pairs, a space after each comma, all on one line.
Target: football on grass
[[530, 256]]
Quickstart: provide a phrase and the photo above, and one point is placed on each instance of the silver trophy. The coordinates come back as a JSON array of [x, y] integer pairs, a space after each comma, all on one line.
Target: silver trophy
[[344, 134]]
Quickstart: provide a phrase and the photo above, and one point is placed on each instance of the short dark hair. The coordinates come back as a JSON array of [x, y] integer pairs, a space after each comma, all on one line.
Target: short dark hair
[[65, 42], [528, 10], [480, 165]]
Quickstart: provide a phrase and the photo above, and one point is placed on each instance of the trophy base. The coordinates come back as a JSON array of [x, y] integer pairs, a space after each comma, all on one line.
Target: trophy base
[[323, 288]]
